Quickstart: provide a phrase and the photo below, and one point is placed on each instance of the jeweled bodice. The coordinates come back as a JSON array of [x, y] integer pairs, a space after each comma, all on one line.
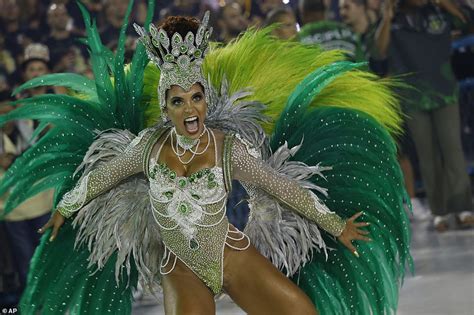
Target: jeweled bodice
[[189, 202], [190, 212]]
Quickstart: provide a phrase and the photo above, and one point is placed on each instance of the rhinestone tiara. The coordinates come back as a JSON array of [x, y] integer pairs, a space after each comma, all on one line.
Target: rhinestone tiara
[[178, 59]]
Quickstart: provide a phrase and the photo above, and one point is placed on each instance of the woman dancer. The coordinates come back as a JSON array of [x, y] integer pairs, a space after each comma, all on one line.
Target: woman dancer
[[126, 224]]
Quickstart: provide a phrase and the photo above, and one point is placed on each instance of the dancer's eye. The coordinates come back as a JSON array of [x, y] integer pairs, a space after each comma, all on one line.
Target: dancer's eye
[[176, 101], [197, 97]]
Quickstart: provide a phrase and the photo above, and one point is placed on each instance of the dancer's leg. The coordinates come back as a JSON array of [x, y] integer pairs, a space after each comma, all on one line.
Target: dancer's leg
[[185, 293], [259, 288]]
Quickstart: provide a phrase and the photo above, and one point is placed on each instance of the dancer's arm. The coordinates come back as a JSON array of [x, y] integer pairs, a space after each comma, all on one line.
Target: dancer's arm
[[104, 177], [97, 182], [253, 170]]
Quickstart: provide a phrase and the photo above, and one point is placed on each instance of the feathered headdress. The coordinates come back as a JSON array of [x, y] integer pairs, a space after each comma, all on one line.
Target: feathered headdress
[[179, 60]]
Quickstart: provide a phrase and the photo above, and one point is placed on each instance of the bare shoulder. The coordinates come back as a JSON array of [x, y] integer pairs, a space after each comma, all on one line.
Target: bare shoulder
[[220, 135]]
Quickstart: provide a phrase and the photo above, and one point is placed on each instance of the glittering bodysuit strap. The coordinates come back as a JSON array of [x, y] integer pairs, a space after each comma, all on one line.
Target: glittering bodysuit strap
[[226, 161], [215, 148]]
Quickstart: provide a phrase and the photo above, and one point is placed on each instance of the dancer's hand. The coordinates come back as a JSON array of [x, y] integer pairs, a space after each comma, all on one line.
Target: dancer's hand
[[56, 221], [352, 232]]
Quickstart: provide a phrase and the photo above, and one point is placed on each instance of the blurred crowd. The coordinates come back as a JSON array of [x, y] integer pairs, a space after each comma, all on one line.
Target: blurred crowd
[[57, 24], [44, 36]]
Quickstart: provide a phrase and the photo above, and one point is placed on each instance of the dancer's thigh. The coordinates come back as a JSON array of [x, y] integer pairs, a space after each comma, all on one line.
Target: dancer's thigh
[[185, 293], [259, 288]]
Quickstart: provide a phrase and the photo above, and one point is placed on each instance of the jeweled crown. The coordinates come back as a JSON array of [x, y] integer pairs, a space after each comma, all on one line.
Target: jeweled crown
[[179, 59]]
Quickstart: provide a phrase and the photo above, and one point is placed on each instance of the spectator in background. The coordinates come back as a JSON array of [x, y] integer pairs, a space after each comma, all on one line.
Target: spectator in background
[[5, 91], [94, 6], [252, 12], [311, 11], [35, 64], [7, 61], [416, 40], [115, 11], [329, 34], [21, 224], [231, 21], [266, 6], [65, 50], [354, 14], [286, 20], [74, 11], [194, 8], [13, 31], [8, 71], [32, 18], [140, 12]]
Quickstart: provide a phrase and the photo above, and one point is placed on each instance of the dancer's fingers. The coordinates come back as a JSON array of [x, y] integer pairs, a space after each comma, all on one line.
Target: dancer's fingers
[[55, 231], [349, 246], [355, 216], [360, 237], [46, 226], [360, 224]]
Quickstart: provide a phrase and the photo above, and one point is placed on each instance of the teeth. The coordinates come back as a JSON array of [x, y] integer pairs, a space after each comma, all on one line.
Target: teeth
[[191, 119]]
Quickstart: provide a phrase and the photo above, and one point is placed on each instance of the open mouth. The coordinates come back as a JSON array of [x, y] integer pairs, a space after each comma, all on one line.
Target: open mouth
[[191, 124]]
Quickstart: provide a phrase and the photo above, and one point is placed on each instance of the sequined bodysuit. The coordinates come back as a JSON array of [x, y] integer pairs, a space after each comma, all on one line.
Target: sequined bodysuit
[[190, 211]]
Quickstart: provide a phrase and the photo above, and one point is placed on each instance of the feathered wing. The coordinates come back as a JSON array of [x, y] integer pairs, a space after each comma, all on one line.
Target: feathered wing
[[365, 176], [326, 116], [110, 240], [362, 174]]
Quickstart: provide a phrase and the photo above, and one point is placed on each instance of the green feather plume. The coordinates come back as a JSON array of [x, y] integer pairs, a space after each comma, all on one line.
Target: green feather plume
[[273, 68]]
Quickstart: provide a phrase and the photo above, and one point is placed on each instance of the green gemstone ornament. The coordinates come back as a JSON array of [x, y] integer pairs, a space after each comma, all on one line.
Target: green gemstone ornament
[[172, 175], [169, 58], [182, 183], [211, 185], [193, 244], [183, 208]]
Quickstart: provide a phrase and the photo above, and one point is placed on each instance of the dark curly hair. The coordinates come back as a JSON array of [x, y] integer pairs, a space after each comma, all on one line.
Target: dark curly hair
[[180, 24]]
